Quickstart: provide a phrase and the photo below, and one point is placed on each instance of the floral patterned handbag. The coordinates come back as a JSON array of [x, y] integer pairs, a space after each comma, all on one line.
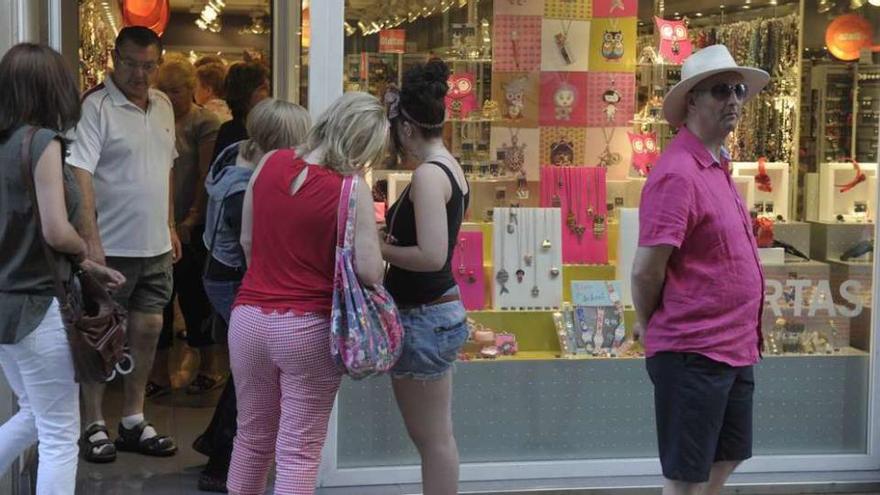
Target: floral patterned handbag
[[366, 334]]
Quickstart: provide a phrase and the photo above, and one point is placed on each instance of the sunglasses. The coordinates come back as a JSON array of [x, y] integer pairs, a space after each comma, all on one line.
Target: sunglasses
[[723, 91]]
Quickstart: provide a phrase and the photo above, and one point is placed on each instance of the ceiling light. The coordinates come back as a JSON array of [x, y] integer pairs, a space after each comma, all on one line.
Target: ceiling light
[[856, 4], [257, 26], [875, 3], [699, 14], [746, 7], [349, 30], [824, 6]]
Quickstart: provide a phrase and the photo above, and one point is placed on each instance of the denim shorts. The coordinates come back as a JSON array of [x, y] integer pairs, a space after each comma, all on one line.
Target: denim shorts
[[433, 336]]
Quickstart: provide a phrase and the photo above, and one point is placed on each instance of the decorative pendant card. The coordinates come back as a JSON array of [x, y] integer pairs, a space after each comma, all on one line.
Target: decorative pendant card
[[467, 268], [563, 146], [610, 99], [517, 43], [613, 44], [563, 99], [527, 259], [581, 195], [564, 45], [510, 145], [517, 95]]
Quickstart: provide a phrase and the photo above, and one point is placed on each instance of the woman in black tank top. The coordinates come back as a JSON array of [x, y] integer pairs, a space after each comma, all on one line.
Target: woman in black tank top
[[418, 247]]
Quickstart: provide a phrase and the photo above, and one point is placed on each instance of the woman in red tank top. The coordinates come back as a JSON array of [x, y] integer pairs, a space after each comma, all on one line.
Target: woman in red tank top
[[285, 379]]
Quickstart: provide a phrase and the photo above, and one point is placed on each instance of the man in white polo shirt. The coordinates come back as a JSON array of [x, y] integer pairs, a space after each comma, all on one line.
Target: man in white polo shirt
[[123, 151]]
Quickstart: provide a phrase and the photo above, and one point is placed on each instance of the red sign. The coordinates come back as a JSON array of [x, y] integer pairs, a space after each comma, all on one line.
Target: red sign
[[392, 41]]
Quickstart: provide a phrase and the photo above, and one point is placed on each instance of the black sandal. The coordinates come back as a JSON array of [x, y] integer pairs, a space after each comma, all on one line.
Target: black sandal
[[100, 451], [129, 440], [212, 483]]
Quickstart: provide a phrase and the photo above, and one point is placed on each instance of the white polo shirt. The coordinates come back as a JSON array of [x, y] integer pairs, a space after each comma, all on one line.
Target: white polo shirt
[[129, 153]]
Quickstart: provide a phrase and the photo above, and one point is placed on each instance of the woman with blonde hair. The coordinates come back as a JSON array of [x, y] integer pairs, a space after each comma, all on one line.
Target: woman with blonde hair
[[195, 132], [285, 378], [272, 124]]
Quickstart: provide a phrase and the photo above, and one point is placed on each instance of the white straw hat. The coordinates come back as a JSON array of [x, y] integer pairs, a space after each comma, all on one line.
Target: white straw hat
[[706, 63]]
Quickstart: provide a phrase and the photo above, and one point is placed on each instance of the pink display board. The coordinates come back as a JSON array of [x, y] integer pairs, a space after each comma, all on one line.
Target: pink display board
[[517, 43], [581, 195], [467, 268]]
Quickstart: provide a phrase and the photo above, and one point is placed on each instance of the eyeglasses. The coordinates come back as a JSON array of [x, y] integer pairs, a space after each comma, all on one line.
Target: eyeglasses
[[723, 91], [148, 67]]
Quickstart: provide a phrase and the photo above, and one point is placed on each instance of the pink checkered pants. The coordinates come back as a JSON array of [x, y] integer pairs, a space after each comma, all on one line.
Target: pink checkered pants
[[285, 382]]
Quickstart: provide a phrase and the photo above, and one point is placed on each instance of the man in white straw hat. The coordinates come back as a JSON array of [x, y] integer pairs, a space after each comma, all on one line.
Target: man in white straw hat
[[697, 282]]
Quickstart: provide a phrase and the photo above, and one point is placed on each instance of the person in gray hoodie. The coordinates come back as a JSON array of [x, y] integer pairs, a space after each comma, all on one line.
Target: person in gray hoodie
[[272, 124]]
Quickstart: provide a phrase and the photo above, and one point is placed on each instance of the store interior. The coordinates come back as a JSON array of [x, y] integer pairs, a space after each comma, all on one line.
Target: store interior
[[555, 114]]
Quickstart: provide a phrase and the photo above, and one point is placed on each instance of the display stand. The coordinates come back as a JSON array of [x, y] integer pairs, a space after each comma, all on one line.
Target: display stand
[[627, 244], [853, 205], [580, 193], [767, 203], [527, 258]]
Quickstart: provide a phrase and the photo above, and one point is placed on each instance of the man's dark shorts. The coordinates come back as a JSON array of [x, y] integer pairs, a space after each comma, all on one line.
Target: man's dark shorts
[[148, 283], [704, 413]]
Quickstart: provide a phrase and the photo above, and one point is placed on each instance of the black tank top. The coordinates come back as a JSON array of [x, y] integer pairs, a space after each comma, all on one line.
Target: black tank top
[[411, 288]]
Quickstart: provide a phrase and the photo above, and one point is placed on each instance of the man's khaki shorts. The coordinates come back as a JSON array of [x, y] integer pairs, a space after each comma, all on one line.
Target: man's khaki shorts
[[148, 283]]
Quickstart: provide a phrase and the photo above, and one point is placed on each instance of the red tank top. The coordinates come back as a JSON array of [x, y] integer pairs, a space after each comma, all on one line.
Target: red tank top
[[294, 237]]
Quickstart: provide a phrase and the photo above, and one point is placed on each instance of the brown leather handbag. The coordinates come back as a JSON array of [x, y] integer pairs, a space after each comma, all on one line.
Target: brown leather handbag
[[94, 322]]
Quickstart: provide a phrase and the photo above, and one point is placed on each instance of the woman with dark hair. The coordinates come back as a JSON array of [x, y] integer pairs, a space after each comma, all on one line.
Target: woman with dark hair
[[39, 103], [418, 246], [247, 84]]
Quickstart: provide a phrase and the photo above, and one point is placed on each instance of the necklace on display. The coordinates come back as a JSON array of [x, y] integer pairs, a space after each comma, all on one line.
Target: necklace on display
[[611, 97], [561, 39], [528, 257], [608, 158], [579, 191], [514, 153], [598, 220], [545, 244], [520, 273], [554, 224], [514, 38], [533, 217], [564, 98], [556, 199], [615, 5], [512, 222], [502, 277], [462, 264], [571, 218]]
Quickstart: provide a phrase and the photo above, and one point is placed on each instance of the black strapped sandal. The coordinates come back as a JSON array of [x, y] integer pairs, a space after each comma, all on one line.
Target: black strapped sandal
[[100, 451], [129, 440]]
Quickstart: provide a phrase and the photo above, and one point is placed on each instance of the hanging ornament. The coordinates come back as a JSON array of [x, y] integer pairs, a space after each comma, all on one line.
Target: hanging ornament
[[762, 179], [561, 39], [514, 94], [645, 152], [611, 97], [675, 46], [153, 14], [564, 99], [612, 43], [513, 154], [562, 153], [461, 100]]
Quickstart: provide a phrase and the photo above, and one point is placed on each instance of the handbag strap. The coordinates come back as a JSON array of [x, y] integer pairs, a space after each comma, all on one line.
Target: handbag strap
[[347, 214], [27, 172]]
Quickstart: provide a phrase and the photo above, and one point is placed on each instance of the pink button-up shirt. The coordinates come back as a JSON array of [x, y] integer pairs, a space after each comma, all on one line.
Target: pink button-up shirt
[[713, 296]]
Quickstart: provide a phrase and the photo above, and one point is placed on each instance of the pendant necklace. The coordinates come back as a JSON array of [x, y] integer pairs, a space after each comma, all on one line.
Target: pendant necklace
[[564, 98], [554, 270], [512, 222], [528, 257], [514, 37], [610, 98], [556, 199], [514, 153], [522, 186], [598, 220], [572, 217], [462, 266], [615, 5], [502, 276], [561, 39], [535, 290], [612, 41], [520, 273], [579, 193], [608, 158], [545, 244]]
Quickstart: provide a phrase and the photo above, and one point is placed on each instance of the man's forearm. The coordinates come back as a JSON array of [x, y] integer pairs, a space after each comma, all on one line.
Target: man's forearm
[[646, 293], [87, 222]]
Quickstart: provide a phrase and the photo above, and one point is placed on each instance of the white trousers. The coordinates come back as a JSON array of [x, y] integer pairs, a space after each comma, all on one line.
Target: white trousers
[[40, 371]]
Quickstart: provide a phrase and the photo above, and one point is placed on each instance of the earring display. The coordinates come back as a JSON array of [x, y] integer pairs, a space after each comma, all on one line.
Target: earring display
[[581, 194], [843, 188], [769, 186], [519, 245], [467, 268]]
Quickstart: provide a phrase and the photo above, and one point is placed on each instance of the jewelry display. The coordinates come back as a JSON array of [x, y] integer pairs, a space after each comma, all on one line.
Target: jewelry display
[[469, 275], [502, 277], [514, 94], [608, 158], [513, 155], [612, 41], [536, 287], [580, 191], [611, 97]]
